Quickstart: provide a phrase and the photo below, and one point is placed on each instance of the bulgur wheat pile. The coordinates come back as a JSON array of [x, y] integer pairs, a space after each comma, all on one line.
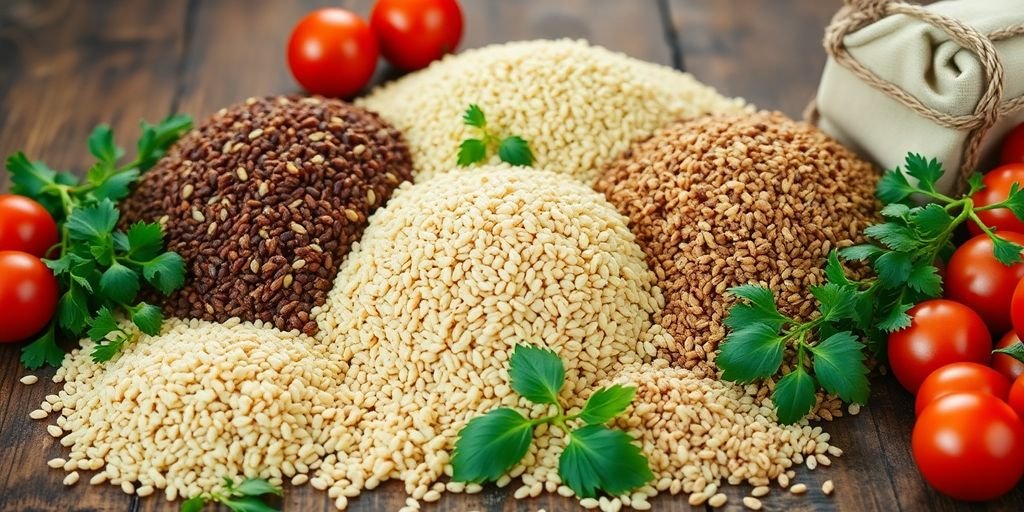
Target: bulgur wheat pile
[[577, 105], [447, 279], [729, 200], [264, 200], [181, 410]]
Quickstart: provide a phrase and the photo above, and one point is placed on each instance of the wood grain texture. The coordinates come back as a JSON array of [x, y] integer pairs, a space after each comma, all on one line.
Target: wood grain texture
[[66, 65]]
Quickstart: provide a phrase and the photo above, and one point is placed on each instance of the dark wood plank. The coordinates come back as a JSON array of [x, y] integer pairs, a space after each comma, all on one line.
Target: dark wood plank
[[65, 67], [769, 54]]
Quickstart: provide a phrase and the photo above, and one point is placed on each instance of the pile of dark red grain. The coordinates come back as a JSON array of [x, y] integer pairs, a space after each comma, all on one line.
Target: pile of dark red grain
[[729, 200], [264, 200]]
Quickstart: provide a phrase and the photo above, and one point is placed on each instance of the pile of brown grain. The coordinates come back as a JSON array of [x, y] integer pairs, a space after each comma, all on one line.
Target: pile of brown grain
[[264, 200], [729, 200]]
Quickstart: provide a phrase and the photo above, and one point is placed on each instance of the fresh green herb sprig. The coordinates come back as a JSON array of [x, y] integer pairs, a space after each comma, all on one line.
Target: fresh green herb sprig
[[244, 497], [595, 457], [100, 269], [828, 350], [512, 149]]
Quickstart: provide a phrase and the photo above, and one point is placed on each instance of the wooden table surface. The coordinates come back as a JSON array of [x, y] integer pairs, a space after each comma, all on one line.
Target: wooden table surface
[[66, 65]]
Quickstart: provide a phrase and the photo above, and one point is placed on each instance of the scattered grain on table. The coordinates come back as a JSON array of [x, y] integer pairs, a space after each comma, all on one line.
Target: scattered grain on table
[[577, 105], [28, 380], [179, 411], [728, 200], [263, 201]]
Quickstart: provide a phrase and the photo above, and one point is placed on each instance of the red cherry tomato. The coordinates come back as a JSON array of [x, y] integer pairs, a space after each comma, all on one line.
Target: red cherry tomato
[[1017, 309], [28, 295], [1013, 145], [969, 446], [997, 187], [1016, 399], [977, 279], [332, 52], [414, 33], [961, 378], [941, 332], [25, 226], [1008, 366]]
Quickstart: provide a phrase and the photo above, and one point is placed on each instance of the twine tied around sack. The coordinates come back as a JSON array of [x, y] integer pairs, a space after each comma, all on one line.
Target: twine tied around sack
[[857, 14]]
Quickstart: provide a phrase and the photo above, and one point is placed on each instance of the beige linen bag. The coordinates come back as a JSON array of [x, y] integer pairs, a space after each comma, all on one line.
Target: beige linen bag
[[945, 80]]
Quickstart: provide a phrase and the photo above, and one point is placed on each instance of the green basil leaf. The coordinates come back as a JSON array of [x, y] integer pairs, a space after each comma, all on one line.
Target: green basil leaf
[[490, 445], [471, 151], [515, 151], [599, 458], [474, 116], [536, 373], [257, 487], [607, 403], [839, 367], [794, 396]]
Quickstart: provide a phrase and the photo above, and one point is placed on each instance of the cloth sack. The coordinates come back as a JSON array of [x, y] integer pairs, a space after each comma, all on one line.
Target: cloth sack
[[944, 80]]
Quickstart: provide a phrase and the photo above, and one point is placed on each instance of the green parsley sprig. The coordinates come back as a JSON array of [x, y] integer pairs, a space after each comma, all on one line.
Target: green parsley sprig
[[595, 457], [512, 149], [828, 350], [244, 497], [101, 269]]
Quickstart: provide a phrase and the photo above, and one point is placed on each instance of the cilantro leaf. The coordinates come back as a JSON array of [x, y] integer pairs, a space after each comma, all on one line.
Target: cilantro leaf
[[92, 223], [73, 308], [256, 487], [925, 279], [474, 116], [156, 139], [599, 458], [42, 351], [1015, 201], [750, 353], [861, 252], [834, 270], [607, 403], [515, 150], [760, 308], [148, 318], [893, 268], [536, 373], [116, 186], [119, 283], [471, 151], [193, 504], [931, 221], [1005, 251], [896, 318], [101, 145], [893, 187], [794, 396], [105, 351], [102, 324], [839, 367], [490, 445], [976, 183], [893, 236], [143, 241], [836, 301], [895, 210], [926, 171], [166, 272]]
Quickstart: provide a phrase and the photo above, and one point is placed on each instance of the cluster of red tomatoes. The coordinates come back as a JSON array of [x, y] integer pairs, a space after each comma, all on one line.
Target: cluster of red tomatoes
[[28, 290], [334, 52], [968, 440]]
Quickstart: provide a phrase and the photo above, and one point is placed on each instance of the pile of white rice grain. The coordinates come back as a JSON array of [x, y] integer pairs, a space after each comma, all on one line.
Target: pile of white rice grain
[[577, 105], [180, 411], [450, 276]]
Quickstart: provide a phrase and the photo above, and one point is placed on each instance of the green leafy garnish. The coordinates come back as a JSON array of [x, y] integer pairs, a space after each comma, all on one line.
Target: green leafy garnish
[[512, 149], [596, 457], [101, 270], [828, 350], [244, 497]]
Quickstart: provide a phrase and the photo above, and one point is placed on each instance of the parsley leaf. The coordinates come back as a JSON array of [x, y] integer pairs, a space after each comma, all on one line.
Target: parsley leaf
[[43, 350], [794, 395], [896, 318], [893, 268], [119, 283], [894, 236], [976, 183], [105, 351], [931, 221], [597, 457], [861, 252], [148, 318], [474, 116], [839, 367], [490, 445], [193, 504], [1005, 251], [926, 171], [166, 272], [101, 145], [93, 223], [836, 301], [751, 353], [893, 187], [142, 242], [925, 279], [156, 139], [471, 151], [245, 497], [516, 151], [536, 373], [102, 325], [607, 403]]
